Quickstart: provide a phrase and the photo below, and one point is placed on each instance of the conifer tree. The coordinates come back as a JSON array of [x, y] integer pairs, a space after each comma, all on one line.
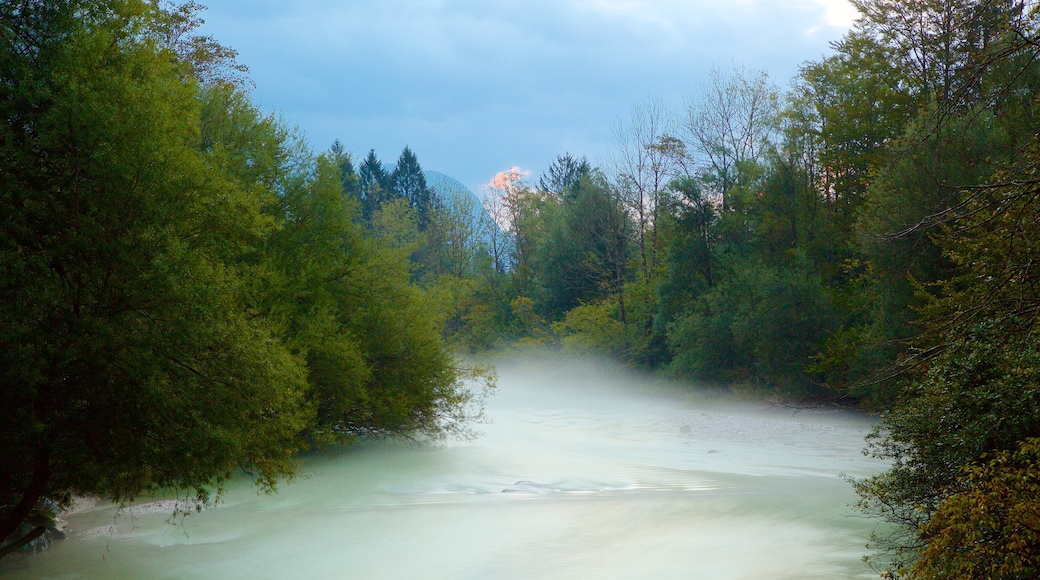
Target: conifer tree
[[373, 183], [347, 175], [564, 174], [408, 182]]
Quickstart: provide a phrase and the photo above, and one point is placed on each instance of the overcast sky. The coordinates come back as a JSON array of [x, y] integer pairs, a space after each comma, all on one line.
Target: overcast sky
[[477, 86]]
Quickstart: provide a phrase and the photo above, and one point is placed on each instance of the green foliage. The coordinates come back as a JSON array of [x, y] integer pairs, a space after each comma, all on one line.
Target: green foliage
[[130, 359], [592, 328], [487, 312], [185, 290], [374, 186], [990, 529], [528, 326], [396, 227], [584, 255], [564, 174], [759, 325], [408, 182], [347, 175], [859, 105], [454, 242], [974, 372]]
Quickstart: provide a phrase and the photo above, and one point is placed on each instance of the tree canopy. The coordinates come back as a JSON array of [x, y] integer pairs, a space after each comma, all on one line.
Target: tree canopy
[[185, 291]]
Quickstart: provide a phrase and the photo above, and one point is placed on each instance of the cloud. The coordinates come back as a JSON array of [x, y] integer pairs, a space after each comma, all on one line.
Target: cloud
[[839, 12], [473, 86], [508, 178]]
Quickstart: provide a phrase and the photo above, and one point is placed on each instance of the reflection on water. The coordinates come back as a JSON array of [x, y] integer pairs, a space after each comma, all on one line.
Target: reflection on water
[[584, 472]]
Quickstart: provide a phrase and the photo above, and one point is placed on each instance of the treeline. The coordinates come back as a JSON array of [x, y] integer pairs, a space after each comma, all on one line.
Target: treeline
[[867, 235], [440, 234], [186, 289], [185, 292]]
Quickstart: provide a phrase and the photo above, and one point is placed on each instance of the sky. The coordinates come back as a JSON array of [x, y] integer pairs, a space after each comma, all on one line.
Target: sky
[[478, 86]]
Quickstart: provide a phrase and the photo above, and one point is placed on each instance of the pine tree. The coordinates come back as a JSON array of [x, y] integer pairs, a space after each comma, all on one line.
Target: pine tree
[[347, 175], [373, 183], [407, 181], [564, 174]]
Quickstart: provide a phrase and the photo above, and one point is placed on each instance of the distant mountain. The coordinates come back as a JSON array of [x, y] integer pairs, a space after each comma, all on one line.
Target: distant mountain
[[448, 189], [446, 186]]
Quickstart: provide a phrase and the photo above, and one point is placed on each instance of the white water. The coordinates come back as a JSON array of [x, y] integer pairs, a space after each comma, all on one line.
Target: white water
[[584, 472]]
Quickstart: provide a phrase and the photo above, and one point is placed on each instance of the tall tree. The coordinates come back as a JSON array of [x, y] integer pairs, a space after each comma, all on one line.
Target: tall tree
[[495, 226], [564, 174], [585, 254], [350, 182], [457, 222], [407, 181], [129, 360], [373, 184], [184, 290], [644, 164], [973, 388], [728, 126], [859, 106], [942, 46]]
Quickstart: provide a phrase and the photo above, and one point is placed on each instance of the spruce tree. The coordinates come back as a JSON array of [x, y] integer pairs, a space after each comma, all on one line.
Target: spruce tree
[[564, 174], [372, 184], [347, 175], [407, 181]]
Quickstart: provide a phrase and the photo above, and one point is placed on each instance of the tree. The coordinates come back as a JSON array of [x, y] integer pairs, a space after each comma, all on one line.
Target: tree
[[495, 225], [455, 233], [895, 223], [728, 126], [335, 293], [643, 165], [373, 185], [690, 263], [859, 106], [349, 179], [759, 325], [185, 291], [211, 63], [585, 252], [130, 361], [407, 181], [942, 47], [974, 371], [990, 529], [520, 220], [564, 174]]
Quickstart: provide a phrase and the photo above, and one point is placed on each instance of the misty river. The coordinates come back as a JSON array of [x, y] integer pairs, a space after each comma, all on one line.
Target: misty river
[[584, 471]]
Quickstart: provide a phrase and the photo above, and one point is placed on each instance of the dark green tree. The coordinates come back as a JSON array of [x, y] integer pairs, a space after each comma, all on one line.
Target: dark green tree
[[129, 358], [351, 183], [586, 252], [185, 292], [564, 174], [691, 256], [407, 181], [973, 385], [759, 326], [373, 185]]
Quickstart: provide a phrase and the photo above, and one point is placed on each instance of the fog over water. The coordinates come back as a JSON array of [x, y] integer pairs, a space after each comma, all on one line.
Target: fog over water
[[585, 471]]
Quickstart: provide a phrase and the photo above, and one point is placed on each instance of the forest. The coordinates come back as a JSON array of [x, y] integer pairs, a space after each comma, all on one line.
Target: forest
[[190, 291]]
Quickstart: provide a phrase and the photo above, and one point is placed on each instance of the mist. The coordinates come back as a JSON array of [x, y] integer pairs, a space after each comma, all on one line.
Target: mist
[[584, 469]]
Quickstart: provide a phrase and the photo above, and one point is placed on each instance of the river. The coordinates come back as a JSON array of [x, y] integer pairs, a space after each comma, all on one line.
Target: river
[[584, 471]]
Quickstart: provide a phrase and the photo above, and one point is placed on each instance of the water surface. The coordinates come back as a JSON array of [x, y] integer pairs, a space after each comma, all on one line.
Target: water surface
[[584, 472]]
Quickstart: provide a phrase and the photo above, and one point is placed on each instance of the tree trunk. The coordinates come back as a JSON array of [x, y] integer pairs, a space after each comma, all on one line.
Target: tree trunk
[[16, 545], [37, 486]]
